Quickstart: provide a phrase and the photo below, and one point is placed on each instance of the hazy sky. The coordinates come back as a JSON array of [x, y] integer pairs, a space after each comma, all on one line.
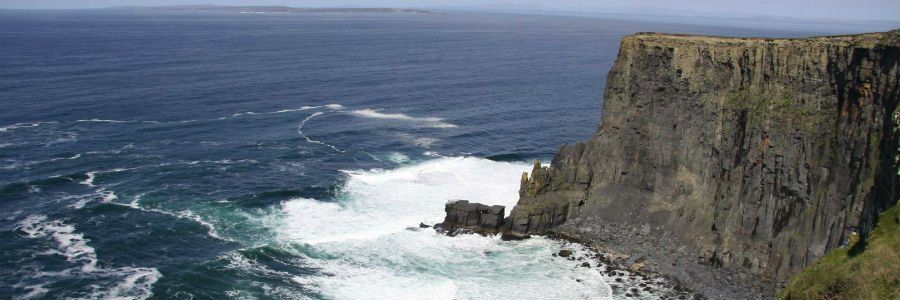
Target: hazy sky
[[829, 9]]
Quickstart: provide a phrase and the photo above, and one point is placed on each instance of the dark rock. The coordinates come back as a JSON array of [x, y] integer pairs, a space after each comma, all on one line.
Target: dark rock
[[465, 217], [423, 225], [586, 265], [756, 155], [565, 252]]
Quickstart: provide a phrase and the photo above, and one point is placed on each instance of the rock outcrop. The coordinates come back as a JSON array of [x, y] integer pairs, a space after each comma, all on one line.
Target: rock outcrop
[[465, 217], [748, 154]]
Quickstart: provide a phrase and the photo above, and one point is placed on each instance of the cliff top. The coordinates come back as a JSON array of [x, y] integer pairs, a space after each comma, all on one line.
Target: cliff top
[[889, 38]]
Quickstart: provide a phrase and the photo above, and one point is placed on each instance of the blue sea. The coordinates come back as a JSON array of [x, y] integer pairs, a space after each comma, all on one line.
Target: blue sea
[[212, 156]]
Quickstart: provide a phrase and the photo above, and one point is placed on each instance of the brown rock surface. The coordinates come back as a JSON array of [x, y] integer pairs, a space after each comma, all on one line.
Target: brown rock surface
[[747, 155]]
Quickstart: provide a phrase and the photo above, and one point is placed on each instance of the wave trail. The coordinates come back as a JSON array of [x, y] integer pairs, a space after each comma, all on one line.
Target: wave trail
[[24, 125], [300, 131], [430, 121]]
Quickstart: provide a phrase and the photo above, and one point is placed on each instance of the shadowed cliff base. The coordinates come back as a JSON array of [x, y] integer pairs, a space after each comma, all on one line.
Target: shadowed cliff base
[[731, 163]]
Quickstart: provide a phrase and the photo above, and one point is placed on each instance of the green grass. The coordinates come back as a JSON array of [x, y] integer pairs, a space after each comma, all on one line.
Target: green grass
[[868, 269]]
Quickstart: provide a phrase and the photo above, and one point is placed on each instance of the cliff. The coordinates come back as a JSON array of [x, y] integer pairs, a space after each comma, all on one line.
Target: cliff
[[751, 155]]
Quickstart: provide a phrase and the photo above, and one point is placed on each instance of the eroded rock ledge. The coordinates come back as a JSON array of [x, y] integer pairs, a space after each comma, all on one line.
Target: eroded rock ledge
[[467, 217]]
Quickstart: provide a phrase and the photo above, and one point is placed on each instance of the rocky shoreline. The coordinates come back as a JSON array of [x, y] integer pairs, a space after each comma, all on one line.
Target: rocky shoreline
[[627, 275], [658, 254], [728, 164]]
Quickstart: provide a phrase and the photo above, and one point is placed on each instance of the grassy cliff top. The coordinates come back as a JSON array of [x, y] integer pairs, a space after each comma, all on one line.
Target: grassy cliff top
[[889, 38], [868, 269]]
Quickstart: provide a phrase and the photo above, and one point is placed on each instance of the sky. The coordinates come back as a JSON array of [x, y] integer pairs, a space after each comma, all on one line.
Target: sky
[[885, 10]]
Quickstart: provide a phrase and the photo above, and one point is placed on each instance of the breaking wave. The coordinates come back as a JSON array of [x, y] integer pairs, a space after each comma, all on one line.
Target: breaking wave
[[428, 121], [368, 245], [121, 283]]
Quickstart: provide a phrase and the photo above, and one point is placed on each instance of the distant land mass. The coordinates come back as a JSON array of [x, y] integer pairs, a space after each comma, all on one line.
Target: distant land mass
[[268, 9]]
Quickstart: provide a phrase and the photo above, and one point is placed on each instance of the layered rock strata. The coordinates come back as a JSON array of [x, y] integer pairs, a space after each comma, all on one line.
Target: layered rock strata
[[751, 155]]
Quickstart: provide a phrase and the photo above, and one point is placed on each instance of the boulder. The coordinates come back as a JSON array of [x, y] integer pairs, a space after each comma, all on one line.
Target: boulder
[[467, 217]]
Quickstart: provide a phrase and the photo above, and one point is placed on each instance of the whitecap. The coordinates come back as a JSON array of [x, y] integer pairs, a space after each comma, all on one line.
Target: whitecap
[[89, 181], [69, 244], [80, 203], [124, 282], [429, 121], [117, 121], [302, 108], [23, 125]]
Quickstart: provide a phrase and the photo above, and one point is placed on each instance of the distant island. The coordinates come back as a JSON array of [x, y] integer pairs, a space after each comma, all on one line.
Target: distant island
[[267, 9]]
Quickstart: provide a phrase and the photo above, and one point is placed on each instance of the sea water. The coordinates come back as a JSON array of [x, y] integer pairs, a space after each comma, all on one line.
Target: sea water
[[194, 156]]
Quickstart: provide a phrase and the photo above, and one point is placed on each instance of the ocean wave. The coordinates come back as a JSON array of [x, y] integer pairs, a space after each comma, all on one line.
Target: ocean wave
[[429, 121], [124, 282], [182, 214], [24, 125], [17, 164], [380, 202], [115, 121], [302, 108], [373, 255]]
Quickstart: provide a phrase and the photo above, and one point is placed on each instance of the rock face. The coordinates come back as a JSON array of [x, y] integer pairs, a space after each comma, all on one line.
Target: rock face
[[753, 155], [465, 217]]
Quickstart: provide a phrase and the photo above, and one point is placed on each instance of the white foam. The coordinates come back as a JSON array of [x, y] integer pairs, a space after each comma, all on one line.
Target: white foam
[[367, 252], [211, 229], [397, 157], [118, 121], [89, 181], [34, 290], [80, 203], [375, 114], [422, 142], [431, 154], [302, 108], [69, 244], [425, 142], [184, 214], [379, 202], [107, 196], [125, 282], [136, 284], [23, 125], [300, 131]]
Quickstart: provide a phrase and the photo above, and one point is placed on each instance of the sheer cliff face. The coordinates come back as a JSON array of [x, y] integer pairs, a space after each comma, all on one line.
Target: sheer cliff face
[[759, 154]]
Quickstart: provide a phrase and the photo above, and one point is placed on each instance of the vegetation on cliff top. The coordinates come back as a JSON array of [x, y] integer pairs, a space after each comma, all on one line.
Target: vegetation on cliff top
[[867, 269]]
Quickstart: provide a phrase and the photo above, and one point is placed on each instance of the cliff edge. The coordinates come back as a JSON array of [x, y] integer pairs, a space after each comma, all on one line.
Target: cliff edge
[[751, 155]]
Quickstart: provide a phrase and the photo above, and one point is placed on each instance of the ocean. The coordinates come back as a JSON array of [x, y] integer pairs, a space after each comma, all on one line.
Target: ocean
[[290, 156]]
